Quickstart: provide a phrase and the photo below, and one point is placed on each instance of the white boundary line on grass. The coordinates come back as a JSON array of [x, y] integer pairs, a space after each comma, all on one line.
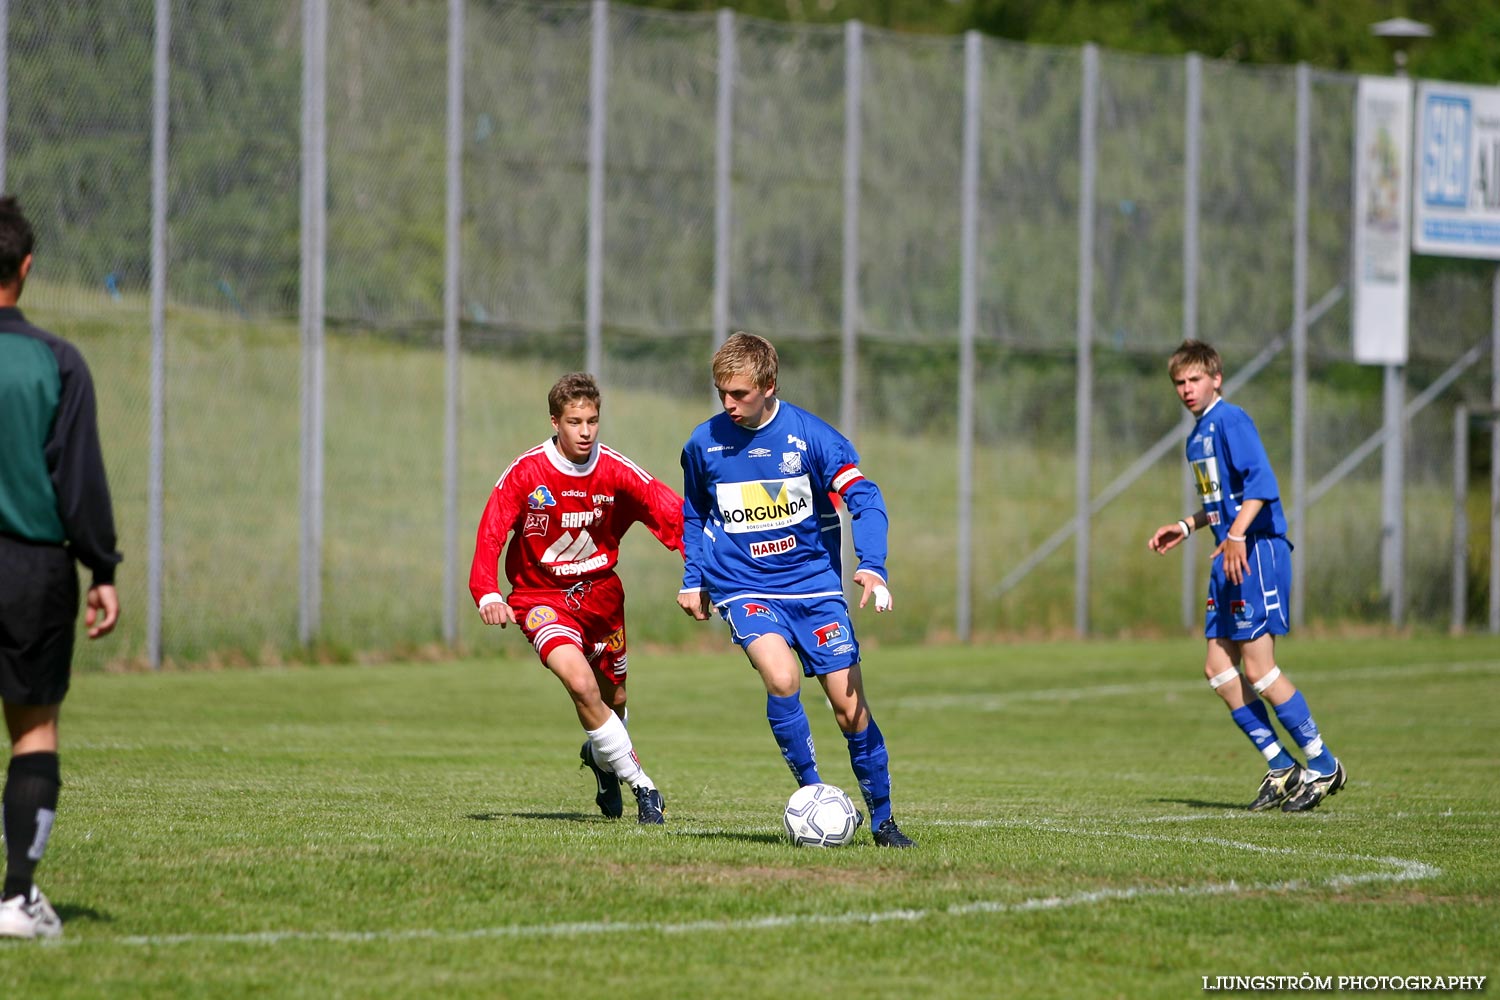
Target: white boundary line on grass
[[979, 702], [1401, 870]]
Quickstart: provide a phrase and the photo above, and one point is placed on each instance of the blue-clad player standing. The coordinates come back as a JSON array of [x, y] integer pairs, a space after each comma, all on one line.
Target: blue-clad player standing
[[1250, 585], [761, 539]]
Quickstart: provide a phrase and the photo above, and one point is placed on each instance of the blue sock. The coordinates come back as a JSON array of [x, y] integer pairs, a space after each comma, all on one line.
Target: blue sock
[[794, 737], [1297, 719], [1256, 722], [871, 763]]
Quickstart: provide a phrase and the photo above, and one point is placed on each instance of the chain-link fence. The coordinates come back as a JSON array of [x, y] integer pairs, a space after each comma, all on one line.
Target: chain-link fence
[[632, 185]]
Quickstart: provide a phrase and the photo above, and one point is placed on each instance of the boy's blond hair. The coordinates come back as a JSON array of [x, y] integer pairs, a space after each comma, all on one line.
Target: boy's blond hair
[[1195, 354], [749, 355]]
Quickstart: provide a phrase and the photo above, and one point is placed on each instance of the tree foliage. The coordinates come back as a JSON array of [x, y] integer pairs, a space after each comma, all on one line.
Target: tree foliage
[[1328, 35]]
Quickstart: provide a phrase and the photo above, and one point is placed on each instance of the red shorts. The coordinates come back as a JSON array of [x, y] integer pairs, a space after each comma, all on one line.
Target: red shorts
[[590, 616]]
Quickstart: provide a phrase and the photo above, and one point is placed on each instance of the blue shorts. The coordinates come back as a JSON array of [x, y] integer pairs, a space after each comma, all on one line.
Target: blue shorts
[[1258, 606], [818, 628]]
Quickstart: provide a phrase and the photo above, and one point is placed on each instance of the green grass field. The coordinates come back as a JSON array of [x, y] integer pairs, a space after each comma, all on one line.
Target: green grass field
[[424, 830]]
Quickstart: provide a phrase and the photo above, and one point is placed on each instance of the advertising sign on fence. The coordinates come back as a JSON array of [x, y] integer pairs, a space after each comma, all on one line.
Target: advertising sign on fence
[[1458, 176], [1382, 192]]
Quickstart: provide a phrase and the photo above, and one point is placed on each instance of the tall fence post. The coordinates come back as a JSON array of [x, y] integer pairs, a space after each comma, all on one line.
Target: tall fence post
[[853, 138], [598, 110], [313, 248], [4, 85], [1192, 143], [156, 477], [1460, 518], [968, 319], [452, 276], [1084, 446], [1298, 527], [1495, 454], [723, 175]]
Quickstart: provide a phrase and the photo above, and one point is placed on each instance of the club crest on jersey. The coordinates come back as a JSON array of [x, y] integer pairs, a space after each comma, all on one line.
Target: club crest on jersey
[[791, 463], [537, 617], [541, 498], [615, 641], [830, 633], [536, 524]]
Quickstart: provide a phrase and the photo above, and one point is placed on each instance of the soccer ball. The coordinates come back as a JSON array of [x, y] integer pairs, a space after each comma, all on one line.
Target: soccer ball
[[820, 816]]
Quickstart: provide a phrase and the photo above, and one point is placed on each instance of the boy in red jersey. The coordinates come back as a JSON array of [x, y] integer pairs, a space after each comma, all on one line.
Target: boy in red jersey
[[567, 502]]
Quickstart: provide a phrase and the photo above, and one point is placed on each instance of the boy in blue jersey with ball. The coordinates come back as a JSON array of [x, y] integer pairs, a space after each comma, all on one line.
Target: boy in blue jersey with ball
[[761, 542], [1249, 587]]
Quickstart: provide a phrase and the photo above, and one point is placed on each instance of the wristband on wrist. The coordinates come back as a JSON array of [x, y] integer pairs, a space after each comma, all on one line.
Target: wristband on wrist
[[1185, 525], [1234, 538]]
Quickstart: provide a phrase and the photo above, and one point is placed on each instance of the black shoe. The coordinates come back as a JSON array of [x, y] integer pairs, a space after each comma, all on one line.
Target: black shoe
[[649, 805], [1315, 788], [608, 796], [1275, 787], [890, 835]]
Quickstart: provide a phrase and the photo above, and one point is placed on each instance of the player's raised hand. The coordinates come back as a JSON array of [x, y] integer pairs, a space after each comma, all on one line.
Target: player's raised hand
[[1167, 538], [873, 584]]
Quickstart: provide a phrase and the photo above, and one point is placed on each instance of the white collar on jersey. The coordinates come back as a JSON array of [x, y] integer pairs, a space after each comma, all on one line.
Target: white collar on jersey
[[775, 409], [560, 461], [1210, 407]]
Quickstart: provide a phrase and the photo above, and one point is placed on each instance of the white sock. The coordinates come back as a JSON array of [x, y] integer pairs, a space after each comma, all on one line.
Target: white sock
[[612, 749]]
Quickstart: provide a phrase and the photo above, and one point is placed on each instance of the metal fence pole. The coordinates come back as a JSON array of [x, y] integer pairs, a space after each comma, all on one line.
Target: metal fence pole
[[313, 245], [4, 84], [1460, 518], [1084, 453], [1298, 527], [968, 317], [853, 137], [1192, 159], [156, 483], [598, 109], [723, 175], [452, 275], [1495, 454]]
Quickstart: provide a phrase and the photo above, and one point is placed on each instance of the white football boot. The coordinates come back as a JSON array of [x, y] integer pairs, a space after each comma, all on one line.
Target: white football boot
[[29, 917]]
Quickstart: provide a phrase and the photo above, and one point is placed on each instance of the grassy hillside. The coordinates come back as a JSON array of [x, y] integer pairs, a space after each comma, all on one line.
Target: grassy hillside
[[232, 523]]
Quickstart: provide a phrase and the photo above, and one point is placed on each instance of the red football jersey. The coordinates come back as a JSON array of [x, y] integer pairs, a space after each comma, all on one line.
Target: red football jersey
[[567, 520]]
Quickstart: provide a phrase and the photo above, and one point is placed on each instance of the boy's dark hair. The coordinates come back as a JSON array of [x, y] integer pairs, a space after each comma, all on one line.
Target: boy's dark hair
[[15, 239], [1195, 354], [573, 387]]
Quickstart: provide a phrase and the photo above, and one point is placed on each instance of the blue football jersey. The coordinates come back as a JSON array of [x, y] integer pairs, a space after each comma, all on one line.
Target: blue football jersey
[[758, 510], [1229, 464]]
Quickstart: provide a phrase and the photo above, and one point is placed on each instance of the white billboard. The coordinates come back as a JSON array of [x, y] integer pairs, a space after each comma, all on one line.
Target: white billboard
[[1382, 192], [1458, 171]]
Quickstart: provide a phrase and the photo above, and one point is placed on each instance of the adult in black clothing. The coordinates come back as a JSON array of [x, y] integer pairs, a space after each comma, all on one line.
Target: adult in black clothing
[[54, 509]]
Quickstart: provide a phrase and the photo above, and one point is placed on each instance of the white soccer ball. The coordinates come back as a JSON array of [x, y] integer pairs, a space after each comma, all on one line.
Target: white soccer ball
[[820, 816]]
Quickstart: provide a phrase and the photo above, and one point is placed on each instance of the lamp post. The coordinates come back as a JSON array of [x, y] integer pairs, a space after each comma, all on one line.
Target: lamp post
[[1400, 32]]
